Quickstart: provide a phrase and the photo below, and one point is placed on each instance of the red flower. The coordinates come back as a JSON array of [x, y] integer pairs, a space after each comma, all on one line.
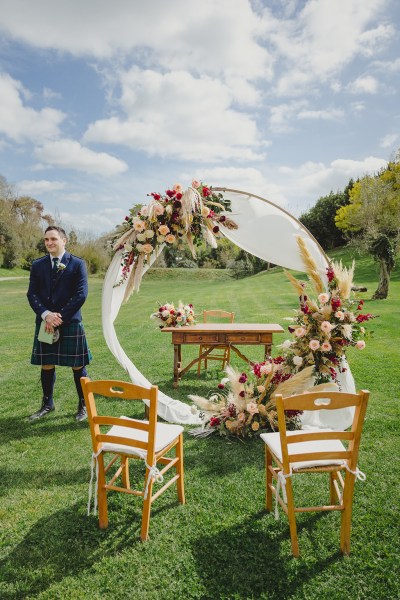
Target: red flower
[[221, 386], [242, 394], [222, 219], [215, 229], [156, 196], [178, 196], [243, 378], [330, 274], [336, 303], [170, 193], [206, 191], [177, 203], [214, 422]]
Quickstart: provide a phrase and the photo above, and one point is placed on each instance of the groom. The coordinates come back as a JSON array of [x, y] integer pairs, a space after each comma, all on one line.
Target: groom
[[58, 288]]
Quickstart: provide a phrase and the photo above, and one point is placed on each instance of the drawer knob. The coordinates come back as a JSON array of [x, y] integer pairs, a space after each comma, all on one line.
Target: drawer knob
[[200, 338]]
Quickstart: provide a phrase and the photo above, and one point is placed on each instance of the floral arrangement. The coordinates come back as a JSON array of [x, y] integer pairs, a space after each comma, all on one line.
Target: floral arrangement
[[60, 267], [192, 216], [322, 330], [326, 326], [169, 316], [244, 405]]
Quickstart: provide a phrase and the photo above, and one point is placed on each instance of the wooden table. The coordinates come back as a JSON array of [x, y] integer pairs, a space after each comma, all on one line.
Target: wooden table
[[219, 334]]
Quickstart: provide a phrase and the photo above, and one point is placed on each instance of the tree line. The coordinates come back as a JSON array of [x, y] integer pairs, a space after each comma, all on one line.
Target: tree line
[[366, 214]]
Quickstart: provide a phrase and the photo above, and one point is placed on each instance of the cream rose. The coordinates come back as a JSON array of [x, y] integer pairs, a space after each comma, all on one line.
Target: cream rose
[[314, 345], [170, 238], [163, 229], [139, 225]]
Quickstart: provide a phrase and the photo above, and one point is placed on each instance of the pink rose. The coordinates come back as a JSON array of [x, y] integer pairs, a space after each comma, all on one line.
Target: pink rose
[[158, 209], [196, 183], [314, 345], [170, 238], [178, 187], [300, 332], [252, 408], [326, 326], [323, 298], [139, 225], [360, 344], [326, 347]]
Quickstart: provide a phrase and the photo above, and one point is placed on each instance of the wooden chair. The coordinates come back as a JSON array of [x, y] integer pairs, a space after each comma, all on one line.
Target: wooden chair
[[315, 451], [131, 438], [219, 353]]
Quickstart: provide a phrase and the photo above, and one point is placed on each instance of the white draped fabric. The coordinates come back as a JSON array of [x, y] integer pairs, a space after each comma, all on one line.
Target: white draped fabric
[[264, 230]]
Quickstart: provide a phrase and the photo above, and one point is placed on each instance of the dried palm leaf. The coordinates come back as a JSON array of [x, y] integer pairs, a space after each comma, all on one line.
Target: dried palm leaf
[[206, 405], [344, 277], [296, 283], [310, 265], [297, 384]]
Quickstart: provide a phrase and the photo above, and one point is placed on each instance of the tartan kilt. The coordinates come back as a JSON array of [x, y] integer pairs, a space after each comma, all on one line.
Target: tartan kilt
[[71, 350]]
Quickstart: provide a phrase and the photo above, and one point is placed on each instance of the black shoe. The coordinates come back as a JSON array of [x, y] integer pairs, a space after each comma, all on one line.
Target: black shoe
[[44, 410], [81, 415]]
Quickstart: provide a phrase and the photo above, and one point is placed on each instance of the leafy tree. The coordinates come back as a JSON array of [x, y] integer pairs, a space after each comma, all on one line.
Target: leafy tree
[[320, 219], [373, 219]]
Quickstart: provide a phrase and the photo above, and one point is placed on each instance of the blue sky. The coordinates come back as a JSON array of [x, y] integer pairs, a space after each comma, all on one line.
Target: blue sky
[[104, 102]]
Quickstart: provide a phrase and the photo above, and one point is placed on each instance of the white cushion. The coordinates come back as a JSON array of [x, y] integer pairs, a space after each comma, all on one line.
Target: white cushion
[[274, 444], [165, 434]]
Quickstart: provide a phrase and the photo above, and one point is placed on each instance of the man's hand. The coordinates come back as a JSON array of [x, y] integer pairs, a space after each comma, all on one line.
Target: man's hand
[[52, 320]]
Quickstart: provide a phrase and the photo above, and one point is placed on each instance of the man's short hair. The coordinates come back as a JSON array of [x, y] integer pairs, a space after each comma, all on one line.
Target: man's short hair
[[60, 230]]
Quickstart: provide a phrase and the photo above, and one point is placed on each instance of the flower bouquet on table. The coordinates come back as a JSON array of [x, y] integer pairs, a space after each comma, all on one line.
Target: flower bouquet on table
[[169, 219], [169, 316], [326, 326]]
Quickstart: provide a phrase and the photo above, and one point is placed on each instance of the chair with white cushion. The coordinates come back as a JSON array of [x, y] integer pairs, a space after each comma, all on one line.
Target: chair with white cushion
[[315, 451], [128, 438]]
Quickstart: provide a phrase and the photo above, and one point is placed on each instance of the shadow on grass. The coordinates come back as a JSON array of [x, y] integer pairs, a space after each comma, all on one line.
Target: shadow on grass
[[63, 544], [29, 479], [253, 559], [18, 428]]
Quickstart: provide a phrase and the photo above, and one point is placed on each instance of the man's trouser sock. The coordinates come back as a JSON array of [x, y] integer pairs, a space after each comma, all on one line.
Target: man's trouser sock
[[48, 379], [78, 373]]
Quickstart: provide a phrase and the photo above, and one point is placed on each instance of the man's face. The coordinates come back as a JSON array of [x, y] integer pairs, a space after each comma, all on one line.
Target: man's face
[[54, 242]]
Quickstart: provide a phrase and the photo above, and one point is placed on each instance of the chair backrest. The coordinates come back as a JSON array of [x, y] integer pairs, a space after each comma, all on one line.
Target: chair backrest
[[127, 391], [215, 315], [322, 401]]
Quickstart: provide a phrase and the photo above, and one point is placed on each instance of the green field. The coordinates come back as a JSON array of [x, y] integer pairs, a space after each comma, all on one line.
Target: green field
[[221, 544]]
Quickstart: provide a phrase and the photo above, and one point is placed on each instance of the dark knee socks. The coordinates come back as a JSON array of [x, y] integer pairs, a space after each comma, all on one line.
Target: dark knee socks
[[78, 373], [48, 378]]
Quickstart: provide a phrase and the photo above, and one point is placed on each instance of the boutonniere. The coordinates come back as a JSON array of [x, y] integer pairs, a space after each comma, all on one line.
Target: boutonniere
[[61, 268]]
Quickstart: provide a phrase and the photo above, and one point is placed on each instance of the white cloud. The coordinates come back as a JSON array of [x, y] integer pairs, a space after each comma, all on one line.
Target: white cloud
[[69, 154], [322, 38], [317, 179], [95, 221], [363, 85], [33, 187], [178, 115], [329, 114], [282, 114], [389, 140], [21, 123], [177, 34]]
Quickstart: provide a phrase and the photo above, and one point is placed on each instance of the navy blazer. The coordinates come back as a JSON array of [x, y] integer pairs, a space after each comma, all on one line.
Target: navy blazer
[[65, 294]]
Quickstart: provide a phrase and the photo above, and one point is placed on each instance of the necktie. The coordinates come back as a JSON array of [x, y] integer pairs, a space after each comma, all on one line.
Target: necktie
[[55, 265]]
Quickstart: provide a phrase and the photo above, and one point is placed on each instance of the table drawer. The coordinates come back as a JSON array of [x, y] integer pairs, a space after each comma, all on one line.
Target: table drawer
[[243, 338], [200, 338]]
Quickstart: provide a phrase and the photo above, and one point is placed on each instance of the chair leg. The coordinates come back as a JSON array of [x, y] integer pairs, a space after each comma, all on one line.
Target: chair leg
[[179, 469], [332, 491], [125, 472], [345, 528], [102, 494], [292, 518], [268, 479], [144, 532]]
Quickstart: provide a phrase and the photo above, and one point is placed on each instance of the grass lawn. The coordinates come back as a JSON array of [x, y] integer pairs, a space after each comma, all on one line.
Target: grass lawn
[[221, 544]]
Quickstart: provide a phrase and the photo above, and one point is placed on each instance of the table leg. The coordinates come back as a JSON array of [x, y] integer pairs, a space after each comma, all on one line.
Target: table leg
[[177, 363], [268, 348]]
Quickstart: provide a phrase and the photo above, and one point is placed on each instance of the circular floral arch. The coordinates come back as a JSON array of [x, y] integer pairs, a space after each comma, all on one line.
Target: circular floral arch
[[253, 223]]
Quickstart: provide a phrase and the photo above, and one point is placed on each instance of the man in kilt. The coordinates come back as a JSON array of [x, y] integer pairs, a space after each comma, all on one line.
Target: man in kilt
[[58, 287]]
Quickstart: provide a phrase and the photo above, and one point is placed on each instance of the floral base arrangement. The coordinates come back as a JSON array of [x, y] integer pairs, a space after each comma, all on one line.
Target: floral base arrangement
[[169, 316], [322, 330]]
